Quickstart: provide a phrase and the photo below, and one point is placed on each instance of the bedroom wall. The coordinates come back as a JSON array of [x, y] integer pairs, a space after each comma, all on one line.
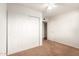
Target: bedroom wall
[[2, 29], [64, 28]]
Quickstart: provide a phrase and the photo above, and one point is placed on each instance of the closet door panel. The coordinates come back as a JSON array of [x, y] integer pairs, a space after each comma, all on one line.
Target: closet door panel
[[23, 32]]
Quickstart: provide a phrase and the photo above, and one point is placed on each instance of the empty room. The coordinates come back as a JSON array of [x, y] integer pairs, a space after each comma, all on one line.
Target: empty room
[[39, 29]]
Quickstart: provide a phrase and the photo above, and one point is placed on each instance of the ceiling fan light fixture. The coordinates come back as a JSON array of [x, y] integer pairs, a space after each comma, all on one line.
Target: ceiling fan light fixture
[[50, 6]]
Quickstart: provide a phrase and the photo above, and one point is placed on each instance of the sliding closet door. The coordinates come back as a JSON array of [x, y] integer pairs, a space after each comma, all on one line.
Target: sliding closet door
[[23, 32]]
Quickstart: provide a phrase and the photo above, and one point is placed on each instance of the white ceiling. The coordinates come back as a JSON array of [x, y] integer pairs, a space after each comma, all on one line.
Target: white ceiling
[[61, 8], [36, 6]]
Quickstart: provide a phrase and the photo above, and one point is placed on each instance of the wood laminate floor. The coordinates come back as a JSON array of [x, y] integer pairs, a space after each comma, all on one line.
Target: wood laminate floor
[[49, 48]]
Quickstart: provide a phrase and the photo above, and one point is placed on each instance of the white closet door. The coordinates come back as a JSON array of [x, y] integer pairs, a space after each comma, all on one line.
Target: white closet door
[[23, 32]]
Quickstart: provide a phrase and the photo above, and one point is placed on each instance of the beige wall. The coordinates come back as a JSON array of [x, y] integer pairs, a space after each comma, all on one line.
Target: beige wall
[[2, 29], [64, 28]]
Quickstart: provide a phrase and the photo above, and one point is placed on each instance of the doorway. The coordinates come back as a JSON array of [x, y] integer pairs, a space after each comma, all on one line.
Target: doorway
[[44, 30]]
